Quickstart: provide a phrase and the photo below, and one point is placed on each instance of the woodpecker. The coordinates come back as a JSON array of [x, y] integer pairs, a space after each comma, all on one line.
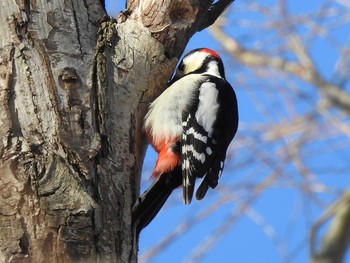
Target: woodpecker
[[190, 125]]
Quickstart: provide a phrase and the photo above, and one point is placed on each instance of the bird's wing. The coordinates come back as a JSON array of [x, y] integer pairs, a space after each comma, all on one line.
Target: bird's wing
[[208, 128], [197, 146]]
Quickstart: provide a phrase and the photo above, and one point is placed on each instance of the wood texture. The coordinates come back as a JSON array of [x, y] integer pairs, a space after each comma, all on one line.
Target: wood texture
[[73, 93], [47, 200]]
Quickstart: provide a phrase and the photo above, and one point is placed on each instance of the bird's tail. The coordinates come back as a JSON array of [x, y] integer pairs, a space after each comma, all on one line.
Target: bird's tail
[[152, 200], [210, 180], [188, 187]]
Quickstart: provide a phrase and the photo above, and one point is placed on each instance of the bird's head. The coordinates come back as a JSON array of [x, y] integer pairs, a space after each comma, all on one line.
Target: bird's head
[[201, 61]]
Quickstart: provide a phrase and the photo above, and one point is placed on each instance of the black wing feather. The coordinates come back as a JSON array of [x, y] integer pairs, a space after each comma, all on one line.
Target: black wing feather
[[195, 159], [206, 158]]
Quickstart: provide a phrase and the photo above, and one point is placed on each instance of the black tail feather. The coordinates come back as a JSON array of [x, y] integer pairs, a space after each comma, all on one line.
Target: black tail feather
[[152, 200], [210, 180], [202, 189], [188, 188]]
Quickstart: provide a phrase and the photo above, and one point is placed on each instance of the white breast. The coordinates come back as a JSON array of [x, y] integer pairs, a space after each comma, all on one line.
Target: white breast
[[164, 118]]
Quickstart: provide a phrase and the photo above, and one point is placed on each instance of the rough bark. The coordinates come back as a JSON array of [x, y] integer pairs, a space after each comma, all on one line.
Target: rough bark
[[48, 203], [71, 146]]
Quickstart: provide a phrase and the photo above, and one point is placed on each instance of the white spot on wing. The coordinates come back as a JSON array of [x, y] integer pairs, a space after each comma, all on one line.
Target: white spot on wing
[[187, 164], [202, 157], [197, 135], [209, 151], [187, 180], [196, 155], [220, 173]]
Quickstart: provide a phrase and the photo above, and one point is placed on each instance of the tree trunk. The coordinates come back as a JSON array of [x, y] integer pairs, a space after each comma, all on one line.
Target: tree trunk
[[49, 203], [71, 113]]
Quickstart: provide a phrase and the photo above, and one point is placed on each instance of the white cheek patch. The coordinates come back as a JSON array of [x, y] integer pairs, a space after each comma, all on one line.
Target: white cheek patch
[[194, 61]]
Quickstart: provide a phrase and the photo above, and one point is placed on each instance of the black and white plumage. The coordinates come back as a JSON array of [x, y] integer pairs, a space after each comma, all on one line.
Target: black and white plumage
[[209, 126], [191, 125]]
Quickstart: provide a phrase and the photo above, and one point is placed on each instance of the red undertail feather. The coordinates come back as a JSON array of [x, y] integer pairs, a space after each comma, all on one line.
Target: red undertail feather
[[167, 159], [166, 162]]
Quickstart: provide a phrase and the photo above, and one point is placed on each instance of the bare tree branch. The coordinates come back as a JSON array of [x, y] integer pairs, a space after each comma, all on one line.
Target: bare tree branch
[[290, 95], [337, 97], [337, 238], [214, 12], [342, 67], [243, 205]]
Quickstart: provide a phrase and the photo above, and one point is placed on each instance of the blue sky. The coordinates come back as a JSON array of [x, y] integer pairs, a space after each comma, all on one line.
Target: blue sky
[[279, 219]]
